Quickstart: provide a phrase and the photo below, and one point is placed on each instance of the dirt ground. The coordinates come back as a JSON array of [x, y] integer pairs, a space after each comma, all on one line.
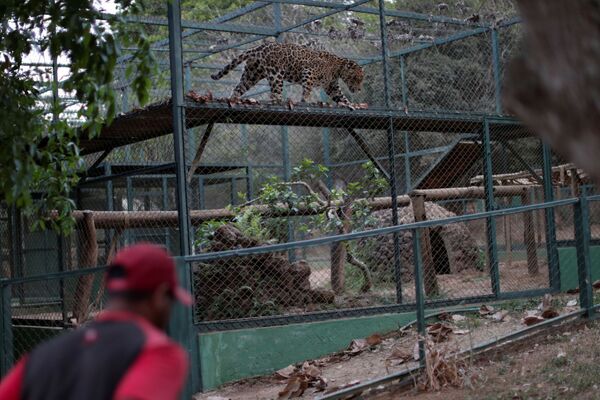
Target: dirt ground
[[558, 365], [524, 372]]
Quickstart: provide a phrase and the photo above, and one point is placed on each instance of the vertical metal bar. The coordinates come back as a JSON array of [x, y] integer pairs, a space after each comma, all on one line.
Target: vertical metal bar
[[326, 139], [384, 54], [419, 296], [249, 183], [551, 246], [285, 141], [165, 207], [403, 84], [246, 147], [7, 342], [201, 194], [128, 232], [110, 206], [188, 78], [181, 329], [496, 68], [582, 245], [407, 173], [490, 205], [232, 191], [391, 141], [176, 64], [60, 241]]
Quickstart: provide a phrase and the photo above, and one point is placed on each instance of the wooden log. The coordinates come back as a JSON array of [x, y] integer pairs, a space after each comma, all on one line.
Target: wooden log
[[339, 254], [88, 257], [162, 219], [529, 237], [575, 186], [429, 275]]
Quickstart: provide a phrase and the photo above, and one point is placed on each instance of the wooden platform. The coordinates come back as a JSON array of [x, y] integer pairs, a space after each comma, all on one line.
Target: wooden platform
[[156, 120]]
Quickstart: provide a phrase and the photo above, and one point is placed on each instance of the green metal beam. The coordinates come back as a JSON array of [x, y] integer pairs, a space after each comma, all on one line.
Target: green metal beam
[[433, 43], [551, 246], [388, 13], [199, 26], [490, 205], [283, 30]]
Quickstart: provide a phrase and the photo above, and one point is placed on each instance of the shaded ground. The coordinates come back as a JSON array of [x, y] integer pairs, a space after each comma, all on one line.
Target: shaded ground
[[559, 365], [470, 329]]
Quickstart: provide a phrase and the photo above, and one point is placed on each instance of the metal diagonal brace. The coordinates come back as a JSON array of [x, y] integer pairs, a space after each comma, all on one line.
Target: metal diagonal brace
[[201, 147], [534, 174], [100, 159], [365, 148]]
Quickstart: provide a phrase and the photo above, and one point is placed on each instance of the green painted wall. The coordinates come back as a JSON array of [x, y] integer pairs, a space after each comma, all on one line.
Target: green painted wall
[[567, 257], [232, 355]]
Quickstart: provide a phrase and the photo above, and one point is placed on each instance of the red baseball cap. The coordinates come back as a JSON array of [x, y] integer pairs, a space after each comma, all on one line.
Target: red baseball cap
[[143, 267]]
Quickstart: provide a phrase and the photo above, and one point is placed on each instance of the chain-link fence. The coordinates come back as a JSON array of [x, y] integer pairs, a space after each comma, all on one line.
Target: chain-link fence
[[289, 211]]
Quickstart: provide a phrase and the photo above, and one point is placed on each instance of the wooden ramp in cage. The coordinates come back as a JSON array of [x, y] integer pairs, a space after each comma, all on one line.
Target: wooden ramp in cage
[[453, 167]]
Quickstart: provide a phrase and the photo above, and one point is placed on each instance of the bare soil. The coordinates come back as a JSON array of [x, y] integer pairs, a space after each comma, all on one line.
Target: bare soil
[[557, 365]]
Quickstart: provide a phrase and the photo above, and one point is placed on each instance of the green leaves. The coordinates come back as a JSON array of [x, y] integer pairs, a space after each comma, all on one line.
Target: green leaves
[[39, 157]]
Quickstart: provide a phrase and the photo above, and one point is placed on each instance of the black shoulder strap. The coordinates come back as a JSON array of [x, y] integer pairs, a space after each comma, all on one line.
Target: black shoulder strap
[[87, 363]]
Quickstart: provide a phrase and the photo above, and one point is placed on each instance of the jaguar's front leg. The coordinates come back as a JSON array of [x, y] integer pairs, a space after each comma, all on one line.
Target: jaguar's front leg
[[276, 83], [336, 95]]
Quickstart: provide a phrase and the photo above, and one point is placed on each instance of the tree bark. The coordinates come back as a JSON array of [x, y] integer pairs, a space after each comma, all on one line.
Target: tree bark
[[88, 257]]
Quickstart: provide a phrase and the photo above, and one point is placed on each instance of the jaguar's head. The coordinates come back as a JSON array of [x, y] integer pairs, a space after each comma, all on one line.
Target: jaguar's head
[[353, 75]]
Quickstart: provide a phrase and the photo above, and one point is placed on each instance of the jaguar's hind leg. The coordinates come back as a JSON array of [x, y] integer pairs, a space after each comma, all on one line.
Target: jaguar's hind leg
[[249, 78]]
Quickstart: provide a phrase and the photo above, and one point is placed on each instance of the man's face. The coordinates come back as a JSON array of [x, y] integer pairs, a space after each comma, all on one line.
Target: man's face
[[162, 302]]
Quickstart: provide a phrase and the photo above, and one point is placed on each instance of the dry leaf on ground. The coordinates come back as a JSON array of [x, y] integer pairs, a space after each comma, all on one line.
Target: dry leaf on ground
[[357, 346], [439, 331], [295, 387], [549, 313], [374, 339], [285, 373], [444, 316], [486, 310], [532, 320]]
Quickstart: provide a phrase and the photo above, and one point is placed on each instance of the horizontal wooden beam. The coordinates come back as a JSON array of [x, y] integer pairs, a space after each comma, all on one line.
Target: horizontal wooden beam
[[165, 219]]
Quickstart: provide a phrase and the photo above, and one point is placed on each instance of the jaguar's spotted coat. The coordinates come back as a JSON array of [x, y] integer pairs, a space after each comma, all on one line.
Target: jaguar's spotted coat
[[297, 64]]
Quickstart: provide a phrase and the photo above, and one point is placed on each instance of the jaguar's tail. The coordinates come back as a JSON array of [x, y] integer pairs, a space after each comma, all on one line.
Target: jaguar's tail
[[234, 63]]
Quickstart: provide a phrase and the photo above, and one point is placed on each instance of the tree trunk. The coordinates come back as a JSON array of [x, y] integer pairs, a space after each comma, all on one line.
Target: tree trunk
[[88, 257], [429, 274]]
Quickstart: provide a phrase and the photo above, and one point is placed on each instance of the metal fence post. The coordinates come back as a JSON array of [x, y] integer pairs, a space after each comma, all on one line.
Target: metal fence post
[[551, 248], [582, 245], [419, 296], [391, 142], [6, 340], [490, 205], [496, 68], [176, 65], [181, 329]]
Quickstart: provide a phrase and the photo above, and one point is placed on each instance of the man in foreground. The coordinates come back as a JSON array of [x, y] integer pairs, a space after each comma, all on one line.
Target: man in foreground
[[124, 353]]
